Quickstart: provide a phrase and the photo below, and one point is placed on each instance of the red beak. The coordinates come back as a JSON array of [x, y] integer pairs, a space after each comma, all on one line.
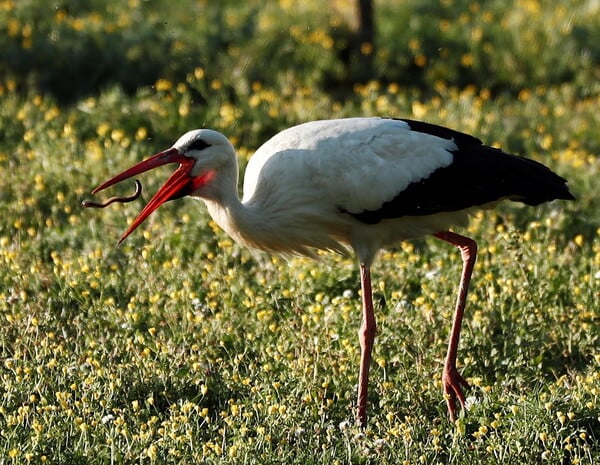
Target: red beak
[[176, 186]]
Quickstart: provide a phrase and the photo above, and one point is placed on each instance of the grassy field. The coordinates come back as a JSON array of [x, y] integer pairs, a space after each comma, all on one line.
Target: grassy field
[[181, 347]]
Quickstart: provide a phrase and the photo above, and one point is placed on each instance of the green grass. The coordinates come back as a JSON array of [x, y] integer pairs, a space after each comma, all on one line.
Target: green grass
[[181, 347]]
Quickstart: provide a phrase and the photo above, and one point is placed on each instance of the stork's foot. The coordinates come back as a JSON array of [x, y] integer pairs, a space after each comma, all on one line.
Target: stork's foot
[[452, 382]]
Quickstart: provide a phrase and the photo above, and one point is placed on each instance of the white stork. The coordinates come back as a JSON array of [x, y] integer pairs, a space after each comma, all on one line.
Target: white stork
[[357, 183]]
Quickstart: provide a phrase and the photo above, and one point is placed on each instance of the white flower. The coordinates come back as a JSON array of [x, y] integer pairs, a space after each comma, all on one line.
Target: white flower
[[344, 425]]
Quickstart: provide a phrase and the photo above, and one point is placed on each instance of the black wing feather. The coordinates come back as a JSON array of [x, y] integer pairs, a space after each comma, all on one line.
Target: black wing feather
[[478, 174]]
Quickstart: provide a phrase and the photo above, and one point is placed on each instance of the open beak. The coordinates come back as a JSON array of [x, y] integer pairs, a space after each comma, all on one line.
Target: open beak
[[176, 186]]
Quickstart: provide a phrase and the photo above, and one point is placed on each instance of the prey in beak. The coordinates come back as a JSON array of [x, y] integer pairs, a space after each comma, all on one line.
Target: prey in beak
[[179, 184]]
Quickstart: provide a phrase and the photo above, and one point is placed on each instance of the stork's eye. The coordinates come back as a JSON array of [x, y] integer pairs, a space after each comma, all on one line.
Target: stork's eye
[[198, 144]]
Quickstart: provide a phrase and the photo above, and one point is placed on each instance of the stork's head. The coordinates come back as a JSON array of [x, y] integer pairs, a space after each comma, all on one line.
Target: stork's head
[[202, 154]]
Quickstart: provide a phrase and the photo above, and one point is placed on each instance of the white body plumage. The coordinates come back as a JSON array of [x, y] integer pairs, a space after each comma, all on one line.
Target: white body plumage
[[302, 200]]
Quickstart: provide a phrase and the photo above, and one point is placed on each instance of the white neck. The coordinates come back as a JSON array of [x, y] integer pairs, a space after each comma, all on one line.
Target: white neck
[[243, 224], [265, 222]]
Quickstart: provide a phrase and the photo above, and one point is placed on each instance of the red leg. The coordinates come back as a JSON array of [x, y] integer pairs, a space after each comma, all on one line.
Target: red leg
[[366, 336], [451, 379]]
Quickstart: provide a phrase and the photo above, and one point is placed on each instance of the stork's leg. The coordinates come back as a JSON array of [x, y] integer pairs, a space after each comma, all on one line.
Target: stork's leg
[[451, 379], [366, 336]]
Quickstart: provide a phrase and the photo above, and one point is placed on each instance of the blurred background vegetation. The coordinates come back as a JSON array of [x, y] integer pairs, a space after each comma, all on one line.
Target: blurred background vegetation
[[72, 49]]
